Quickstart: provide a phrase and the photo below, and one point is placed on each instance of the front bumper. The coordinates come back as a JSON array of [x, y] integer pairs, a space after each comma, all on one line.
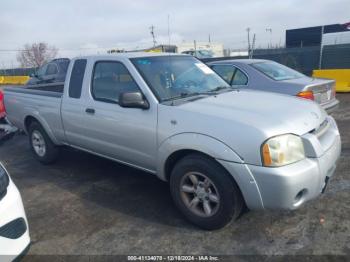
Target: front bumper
[[290, 186], [11, 209]]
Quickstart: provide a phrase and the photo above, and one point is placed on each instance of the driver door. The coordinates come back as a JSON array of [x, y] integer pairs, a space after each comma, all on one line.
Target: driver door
[[124, 134]]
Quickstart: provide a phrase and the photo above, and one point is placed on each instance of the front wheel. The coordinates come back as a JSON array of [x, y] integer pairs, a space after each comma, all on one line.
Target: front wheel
[[204, 192], [43, 148]]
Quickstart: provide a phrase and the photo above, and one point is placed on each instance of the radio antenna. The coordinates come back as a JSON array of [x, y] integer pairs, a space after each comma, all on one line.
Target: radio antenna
[[153, 36]]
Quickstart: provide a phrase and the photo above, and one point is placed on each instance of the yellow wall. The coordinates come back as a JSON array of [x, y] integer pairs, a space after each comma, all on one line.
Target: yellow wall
[[341, 77], [13, 80]]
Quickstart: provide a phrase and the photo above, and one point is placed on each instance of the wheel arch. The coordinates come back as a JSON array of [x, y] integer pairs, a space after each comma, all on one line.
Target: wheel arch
[[29, 119], [181, 145]]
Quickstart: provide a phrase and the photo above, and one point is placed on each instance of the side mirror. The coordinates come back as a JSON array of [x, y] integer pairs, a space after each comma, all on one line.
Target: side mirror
[[133, 100]]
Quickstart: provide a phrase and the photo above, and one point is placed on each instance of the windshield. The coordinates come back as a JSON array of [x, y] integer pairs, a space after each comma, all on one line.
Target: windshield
[[172, 77], [277, 71]]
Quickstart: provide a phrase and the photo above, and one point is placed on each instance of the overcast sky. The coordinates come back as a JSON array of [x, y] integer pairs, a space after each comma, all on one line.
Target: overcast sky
[[78, 27]]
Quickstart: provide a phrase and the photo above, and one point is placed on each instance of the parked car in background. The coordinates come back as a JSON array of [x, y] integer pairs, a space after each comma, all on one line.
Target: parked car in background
[[202, 53], [14, 233], [266, 75], [172, 116], [51, 72]]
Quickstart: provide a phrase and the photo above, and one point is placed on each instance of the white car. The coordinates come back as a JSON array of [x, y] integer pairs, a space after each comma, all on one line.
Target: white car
[[14, 233]]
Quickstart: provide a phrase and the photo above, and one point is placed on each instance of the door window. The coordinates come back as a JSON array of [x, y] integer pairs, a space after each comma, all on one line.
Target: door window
[[110, 79], [225, 71]]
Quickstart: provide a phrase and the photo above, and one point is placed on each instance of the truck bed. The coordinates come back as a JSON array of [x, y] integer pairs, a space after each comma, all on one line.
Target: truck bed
[[43, 101]]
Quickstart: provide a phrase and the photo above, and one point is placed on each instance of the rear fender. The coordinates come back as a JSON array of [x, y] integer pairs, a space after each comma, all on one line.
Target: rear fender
[[36, 116]]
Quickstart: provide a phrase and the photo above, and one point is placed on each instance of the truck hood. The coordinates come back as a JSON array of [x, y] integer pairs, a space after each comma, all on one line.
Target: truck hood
[[242, 119]]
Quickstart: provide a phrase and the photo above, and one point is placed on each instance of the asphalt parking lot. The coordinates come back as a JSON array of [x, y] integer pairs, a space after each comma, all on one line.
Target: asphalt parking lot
[[87, 205]]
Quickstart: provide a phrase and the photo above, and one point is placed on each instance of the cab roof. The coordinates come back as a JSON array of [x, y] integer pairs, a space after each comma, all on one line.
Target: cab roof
[[131, 55]]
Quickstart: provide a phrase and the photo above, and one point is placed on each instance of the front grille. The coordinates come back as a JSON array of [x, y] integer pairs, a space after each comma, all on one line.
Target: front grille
[[14, 229], [321, 129], [325, 134], [4, 182]]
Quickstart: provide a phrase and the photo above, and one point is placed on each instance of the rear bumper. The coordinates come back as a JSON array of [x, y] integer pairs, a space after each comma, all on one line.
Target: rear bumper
[[286, 187], [23, 254], [331, 106]]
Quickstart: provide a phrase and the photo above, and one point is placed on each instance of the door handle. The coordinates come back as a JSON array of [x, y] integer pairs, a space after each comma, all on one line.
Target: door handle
[[90, 110]]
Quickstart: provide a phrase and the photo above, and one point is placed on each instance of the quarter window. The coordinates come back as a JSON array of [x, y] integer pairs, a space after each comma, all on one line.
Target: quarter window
[[76, 80], [110, 79]]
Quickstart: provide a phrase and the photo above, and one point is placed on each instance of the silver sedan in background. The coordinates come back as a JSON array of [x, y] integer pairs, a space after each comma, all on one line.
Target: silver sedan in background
[[266, 75]]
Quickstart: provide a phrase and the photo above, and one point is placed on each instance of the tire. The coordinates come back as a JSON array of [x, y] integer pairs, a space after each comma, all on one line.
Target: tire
[[225, 207], [49, 151]]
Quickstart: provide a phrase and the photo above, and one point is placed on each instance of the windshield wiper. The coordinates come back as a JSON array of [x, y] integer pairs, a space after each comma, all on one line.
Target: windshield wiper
[[219, 88], [185, 95], [210, 92]]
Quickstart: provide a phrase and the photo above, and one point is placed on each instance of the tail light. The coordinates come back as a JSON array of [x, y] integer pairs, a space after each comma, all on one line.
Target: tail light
[[306, 95], [333, 90], [2, 105]]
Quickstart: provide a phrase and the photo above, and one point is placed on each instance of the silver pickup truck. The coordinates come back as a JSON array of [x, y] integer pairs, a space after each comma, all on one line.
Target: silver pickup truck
[[219, 148]]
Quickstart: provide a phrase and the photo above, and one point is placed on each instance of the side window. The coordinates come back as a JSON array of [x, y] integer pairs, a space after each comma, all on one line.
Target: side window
[[51, 69], [225, 71], [239, 78], [76, 79], [110, 79], [42, 70]]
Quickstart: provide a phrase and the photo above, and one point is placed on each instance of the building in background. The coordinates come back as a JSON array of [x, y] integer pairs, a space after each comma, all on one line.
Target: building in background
[[156, 49], [162, 49], [312, 36], [238, 53], [338, 38], [217, 49]]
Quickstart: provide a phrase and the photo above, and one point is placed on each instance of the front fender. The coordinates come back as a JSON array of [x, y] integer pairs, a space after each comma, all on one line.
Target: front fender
[[197, 142]]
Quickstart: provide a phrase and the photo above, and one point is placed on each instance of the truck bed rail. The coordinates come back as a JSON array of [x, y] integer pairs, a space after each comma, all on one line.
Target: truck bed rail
[[52, 90]]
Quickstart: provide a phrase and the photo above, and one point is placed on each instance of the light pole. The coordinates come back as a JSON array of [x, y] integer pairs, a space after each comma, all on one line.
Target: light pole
[[269, 45], [321, 49], [248, 32]]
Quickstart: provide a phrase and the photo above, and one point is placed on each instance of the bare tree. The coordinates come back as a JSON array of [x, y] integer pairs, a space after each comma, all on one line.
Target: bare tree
[[36, 54]]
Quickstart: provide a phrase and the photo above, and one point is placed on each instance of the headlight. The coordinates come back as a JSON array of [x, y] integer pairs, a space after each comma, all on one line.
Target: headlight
[[282, 150]]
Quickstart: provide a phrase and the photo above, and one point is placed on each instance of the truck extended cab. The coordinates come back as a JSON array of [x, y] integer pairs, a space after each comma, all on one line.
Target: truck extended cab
[[170, 115]]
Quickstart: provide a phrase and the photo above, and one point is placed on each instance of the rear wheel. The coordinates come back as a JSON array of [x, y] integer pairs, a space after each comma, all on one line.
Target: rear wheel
[[204, 192], [43, 148]]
